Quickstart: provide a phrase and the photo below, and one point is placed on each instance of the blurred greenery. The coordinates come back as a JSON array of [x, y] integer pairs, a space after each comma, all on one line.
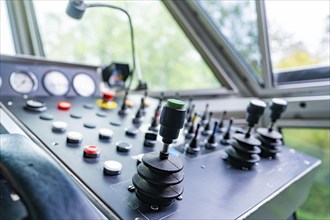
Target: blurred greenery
[[237, 21], [314, 142], [166, 56], [296, 59]]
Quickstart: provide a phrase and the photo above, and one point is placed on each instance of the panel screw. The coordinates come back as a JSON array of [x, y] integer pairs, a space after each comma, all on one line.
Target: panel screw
[[131, 188], [154, 207]]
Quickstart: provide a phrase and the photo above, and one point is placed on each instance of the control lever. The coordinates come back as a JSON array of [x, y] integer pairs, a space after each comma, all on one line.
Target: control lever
[[271, 139], [158, 181], [204, 116], [222, 120], [244, 149], [190, 116], [211, 141], [207, 128], [194, 147], [124, 110], [227, 136]]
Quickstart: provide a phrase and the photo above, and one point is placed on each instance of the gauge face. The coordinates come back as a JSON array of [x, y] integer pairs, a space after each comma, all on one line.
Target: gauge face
[[23, 82], [84, 84], [56, 83]]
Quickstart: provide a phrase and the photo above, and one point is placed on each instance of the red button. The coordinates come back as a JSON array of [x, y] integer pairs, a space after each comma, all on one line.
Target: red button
[[108, 95], [92, 150], [63, 105]]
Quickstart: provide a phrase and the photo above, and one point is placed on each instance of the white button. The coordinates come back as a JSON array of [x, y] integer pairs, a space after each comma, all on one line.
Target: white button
[[74, 137], [105, 133], [59, 126], [112, 167]]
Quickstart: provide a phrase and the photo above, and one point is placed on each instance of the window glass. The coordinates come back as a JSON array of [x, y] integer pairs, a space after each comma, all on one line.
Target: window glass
[[299, 38], [314, 142], [237, 21], [167, 58], [6, 39]]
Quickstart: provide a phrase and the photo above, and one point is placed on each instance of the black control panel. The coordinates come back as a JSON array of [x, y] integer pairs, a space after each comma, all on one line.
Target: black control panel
[[125, 151]]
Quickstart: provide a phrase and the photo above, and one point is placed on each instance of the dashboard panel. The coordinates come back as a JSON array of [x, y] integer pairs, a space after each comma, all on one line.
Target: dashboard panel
[[84, 130]]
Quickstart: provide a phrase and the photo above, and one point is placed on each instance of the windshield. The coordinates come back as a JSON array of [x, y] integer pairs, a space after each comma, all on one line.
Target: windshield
[[237, 22], [167, 58]]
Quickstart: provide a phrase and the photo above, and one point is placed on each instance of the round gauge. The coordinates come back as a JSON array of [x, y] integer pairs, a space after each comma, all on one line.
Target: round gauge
[[23, 82], [56, 83], [84, 84]]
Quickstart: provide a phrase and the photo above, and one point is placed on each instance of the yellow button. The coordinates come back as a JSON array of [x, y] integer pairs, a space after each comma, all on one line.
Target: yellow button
[[106, 105]]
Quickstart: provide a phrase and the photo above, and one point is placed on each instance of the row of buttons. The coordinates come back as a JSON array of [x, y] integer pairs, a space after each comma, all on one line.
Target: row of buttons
[[110, 167]]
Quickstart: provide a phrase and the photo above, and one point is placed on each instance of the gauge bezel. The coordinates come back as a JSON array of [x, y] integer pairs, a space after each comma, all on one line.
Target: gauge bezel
[[30, 74], [48, 90], [77, 90]]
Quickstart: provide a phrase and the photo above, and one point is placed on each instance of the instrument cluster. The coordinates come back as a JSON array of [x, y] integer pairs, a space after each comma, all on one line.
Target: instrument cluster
[[26, 76]]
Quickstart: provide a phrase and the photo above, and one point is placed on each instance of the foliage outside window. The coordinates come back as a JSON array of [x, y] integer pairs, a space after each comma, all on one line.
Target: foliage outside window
[[237, 21], [167, 58], [314, 142], [299, 34]]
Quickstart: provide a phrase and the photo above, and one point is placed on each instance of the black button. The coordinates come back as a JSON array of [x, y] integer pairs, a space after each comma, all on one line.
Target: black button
[[114, 123], [88, 106], [59, 126], [89, 125], [151, 136], [132, 132], [123, 146], [46, 116], [75, 115], [101, 114], [74, 137], [35, 105]]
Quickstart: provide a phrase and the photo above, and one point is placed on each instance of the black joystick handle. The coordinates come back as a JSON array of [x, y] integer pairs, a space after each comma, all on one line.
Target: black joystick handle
[[190, 116], [124, 106], [189, 106], [222, 119], [142, 105], [271, 140], [193, 146], [204, 117], [138, 119], [191, 128], [208, 125], [171, 120], [158, 181], [277, 107], [123, 109], [254, 110], [227, 135], [211, 141]]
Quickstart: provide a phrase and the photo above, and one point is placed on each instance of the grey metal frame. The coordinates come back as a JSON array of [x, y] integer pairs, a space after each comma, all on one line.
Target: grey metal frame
[[25, 29], [191, 18]]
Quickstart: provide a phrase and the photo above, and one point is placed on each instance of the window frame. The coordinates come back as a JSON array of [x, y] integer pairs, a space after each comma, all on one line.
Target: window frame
[[210, 38], [221, 59], [24, 28]]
